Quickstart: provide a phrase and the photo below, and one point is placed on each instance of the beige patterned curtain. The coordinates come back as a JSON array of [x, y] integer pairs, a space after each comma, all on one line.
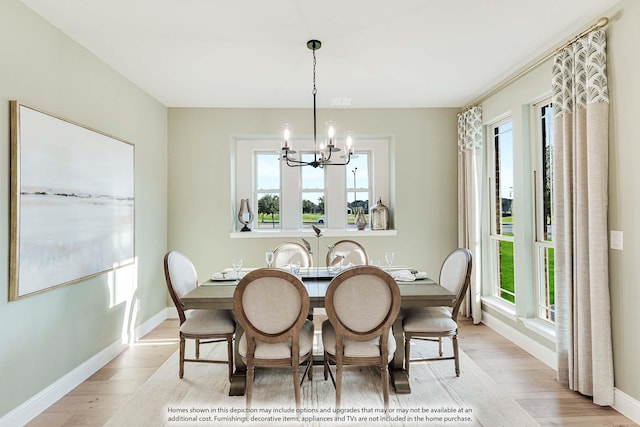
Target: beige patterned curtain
[[580, 170], [469, 179]]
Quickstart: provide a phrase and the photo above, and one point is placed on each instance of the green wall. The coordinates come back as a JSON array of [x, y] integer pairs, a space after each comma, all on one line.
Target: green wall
[[44, 337], [423, 205]]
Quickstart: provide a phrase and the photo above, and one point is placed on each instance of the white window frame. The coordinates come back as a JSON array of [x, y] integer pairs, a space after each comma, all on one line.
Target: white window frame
[[349, 190], [494, 237], [540, 244], [258, 194], [243, 181]]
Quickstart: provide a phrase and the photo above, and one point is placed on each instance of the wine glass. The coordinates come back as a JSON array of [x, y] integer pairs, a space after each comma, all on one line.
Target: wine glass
[[268, 256], [237, 265], [389, 256]]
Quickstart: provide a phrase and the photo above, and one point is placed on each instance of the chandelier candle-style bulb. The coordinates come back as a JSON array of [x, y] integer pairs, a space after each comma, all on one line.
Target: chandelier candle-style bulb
[[330, 133], [348, 145], [286, 136]]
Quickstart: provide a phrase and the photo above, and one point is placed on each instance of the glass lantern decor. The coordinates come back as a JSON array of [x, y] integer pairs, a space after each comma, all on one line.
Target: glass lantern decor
[[379, 216]]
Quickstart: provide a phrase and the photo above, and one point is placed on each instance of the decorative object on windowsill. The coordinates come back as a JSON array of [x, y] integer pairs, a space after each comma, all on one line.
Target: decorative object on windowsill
[[245, 215], [318, 234], [379, 216], [321, 154], [361, 220]]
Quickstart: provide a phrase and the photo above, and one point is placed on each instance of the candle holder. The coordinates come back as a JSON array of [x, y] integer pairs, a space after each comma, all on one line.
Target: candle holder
[[245, 215]]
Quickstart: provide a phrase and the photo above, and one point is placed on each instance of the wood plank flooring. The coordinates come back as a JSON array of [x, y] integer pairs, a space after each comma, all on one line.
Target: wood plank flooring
[[531, 383]]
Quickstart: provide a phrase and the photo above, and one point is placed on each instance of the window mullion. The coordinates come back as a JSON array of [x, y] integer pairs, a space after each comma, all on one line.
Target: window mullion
[[335, 204]]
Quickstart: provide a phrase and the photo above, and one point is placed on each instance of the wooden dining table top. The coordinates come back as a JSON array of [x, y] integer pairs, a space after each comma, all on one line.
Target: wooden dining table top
[[219, 294]]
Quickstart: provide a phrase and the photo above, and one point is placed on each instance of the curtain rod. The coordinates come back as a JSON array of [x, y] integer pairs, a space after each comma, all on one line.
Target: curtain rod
[[602, 22]]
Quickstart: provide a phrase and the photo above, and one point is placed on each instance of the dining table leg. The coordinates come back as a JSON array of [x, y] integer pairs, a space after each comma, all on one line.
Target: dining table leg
[[399, 377], [239, 377]]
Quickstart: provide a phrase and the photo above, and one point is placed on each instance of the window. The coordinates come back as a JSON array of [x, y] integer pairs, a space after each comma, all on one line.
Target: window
[[267, 187], [295, 198], [313, 193], [543, 244], [502, 201], [358, 188]]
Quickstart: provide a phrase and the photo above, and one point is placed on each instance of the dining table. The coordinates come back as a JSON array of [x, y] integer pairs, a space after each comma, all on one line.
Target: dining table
[[217, 293]]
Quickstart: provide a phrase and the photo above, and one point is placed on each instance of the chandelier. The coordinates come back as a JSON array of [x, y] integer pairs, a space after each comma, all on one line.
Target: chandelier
[[321, 153]]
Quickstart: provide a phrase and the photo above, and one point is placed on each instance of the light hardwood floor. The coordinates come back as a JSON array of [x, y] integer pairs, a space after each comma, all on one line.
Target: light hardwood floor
[[531, 383]]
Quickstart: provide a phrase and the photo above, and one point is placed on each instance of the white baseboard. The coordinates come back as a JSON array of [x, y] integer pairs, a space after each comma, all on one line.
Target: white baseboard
[[626, 405], [537, 350], [149, 325], [171, 313], [51, 394], [623, 403]]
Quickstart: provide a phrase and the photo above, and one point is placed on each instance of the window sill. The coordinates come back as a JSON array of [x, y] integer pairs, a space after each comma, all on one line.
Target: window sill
[[504, 308], [270, 234], [540, 327]]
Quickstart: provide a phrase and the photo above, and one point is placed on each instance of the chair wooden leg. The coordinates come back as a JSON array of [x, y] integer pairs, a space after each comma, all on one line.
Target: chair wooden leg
[[454, 339], [181, 370], [296, 384], [384, 373], [338, 384], [440, 346], [197, 348], [407, 353], [326, 367], [230, 356], [249, 384], [310, 368]]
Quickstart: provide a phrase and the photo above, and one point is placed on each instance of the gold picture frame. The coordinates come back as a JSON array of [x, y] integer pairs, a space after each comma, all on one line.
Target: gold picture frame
[[72, 202]]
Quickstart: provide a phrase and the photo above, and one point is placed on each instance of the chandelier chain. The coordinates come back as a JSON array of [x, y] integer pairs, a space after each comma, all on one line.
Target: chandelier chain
[[314, 73]]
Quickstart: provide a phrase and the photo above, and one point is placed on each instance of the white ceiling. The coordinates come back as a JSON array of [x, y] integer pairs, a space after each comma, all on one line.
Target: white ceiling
[[377, 53]]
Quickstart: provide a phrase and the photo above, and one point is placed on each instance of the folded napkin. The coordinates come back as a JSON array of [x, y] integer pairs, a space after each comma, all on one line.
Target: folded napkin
[[219, 276], [421, 275], [403, 275]]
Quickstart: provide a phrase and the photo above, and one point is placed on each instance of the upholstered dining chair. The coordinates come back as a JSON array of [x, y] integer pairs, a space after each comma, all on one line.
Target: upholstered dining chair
[[435, 323], [362, 302], [351, 252], [271, 305], [287, 252], [202, 325]]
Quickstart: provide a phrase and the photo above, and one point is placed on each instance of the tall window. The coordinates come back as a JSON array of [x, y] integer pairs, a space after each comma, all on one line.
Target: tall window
[[543, 244], [358, 187], [267, 185], [312, 195], [502, 203]]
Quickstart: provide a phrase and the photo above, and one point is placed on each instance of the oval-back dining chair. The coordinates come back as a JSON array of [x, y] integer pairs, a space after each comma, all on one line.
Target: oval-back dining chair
[[271, 305], [202, 325], [434, 323], [352, 253], [287, 252], [362, 303]]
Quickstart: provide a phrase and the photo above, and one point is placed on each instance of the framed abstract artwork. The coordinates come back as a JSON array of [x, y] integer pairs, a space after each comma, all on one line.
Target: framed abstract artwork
[[71, 199]]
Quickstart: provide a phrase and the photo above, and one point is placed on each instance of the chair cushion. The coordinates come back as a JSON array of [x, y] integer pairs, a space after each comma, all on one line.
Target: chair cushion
[[207, 322], [354, 348], [362, 302], [271, 304], [428, 319], [281, 350]]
